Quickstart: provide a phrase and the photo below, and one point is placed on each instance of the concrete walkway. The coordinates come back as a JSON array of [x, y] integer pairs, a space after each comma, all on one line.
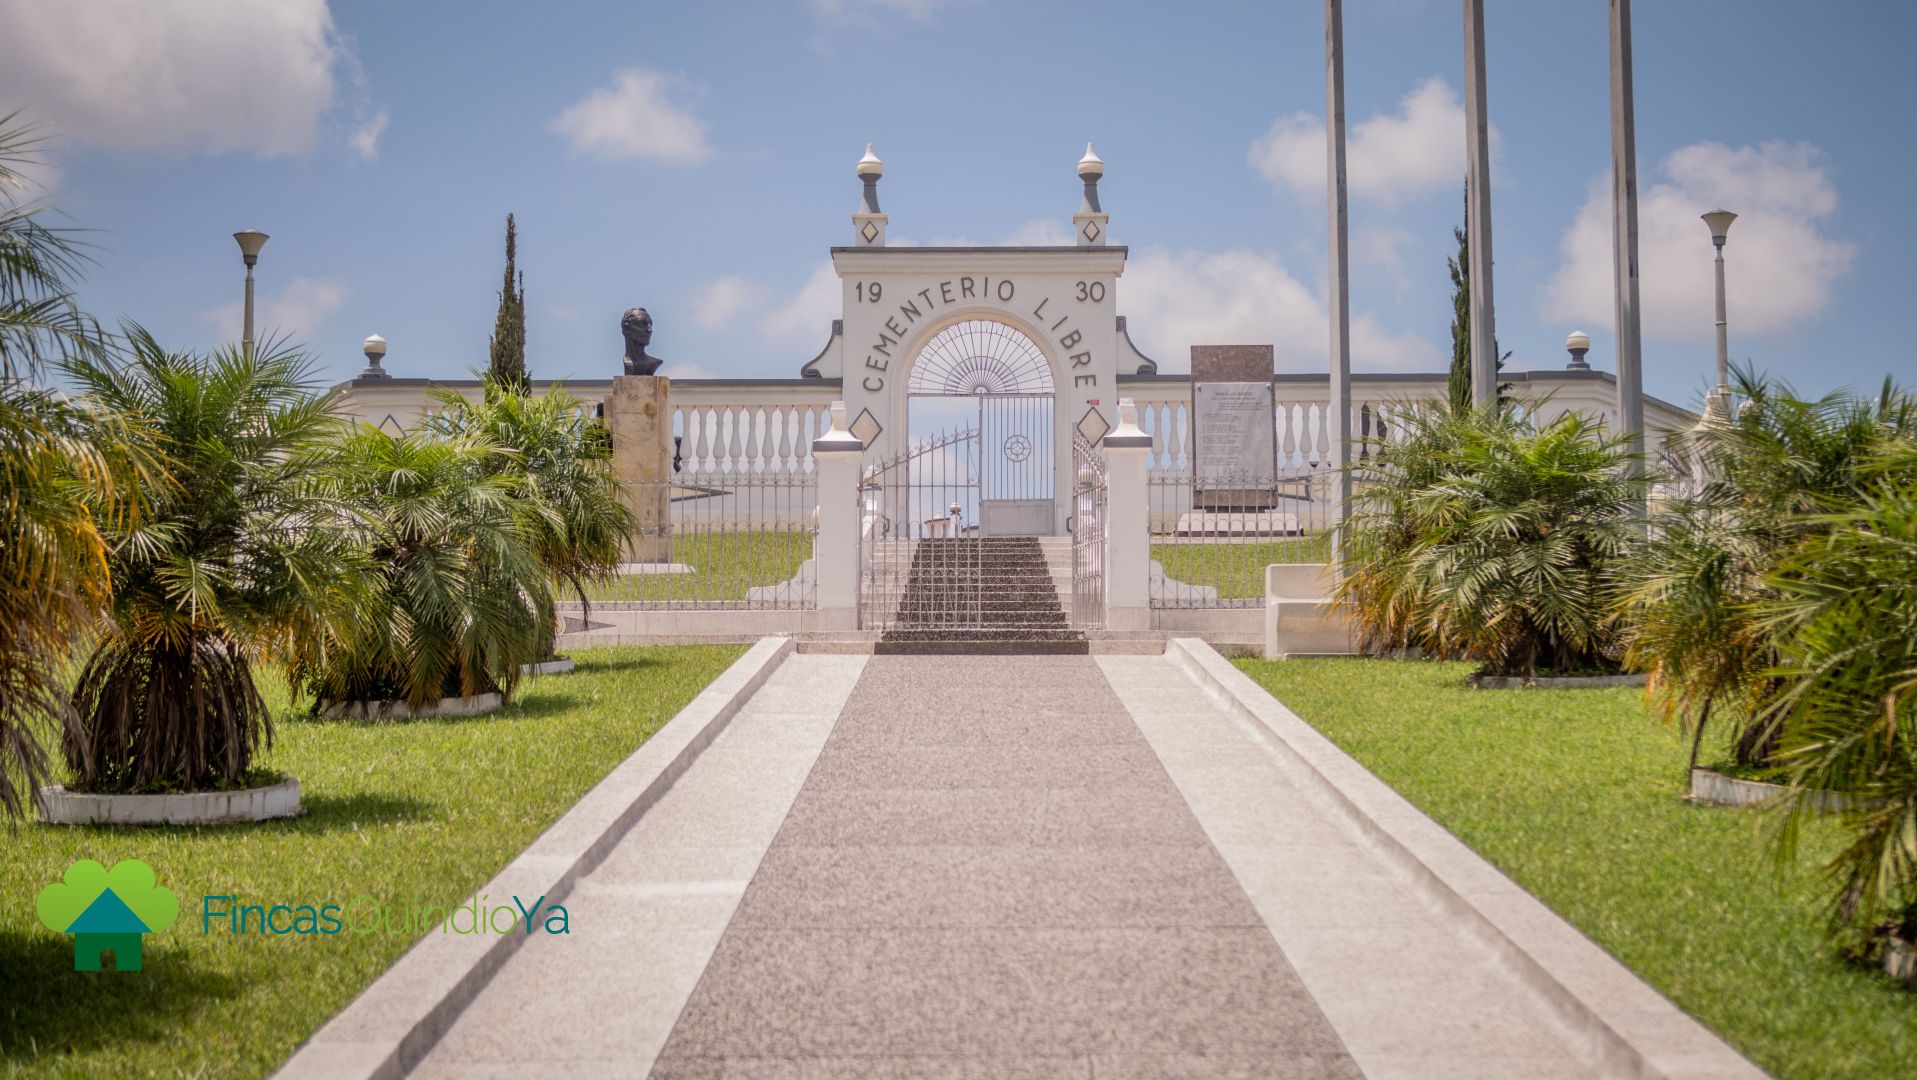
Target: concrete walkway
[[1030, 866]]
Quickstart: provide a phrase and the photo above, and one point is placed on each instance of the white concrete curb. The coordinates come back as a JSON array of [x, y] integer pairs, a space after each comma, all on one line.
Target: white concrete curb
[[385, 1031], [58, 806], [1620, 1023]]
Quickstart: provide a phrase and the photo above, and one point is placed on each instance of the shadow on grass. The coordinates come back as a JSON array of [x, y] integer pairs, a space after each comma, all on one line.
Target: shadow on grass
[[597, 664], [325, 813], [50, 1010]]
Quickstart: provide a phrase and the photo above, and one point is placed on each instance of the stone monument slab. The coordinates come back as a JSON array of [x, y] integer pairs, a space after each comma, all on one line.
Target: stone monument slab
[[636, 414], [1234, 428]]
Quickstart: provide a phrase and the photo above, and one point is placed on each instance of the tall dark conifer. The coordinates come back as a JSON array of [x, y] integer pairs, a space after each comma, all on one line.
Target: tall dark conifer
[[1460, 266], [508, 346], [1459, 385]]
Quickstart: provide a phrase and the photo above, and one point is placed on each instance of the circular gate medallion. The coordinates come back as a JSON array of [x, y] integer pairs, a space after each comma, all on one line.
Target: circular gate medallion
[[1017, 448]]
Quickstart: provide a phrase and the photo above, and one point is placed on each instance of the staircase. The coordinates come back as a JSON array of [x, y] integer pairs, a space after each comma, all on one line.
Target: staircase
[[983, 595]]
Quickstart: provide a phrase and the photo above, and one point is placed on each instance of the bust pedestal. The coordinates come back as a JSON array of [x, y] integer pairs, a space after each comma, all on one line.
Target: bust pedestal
[[641, 426]]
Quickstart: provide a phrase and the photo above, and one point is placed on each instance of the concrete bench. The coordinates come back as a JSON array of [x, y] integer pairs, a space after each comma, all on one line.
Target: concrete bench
[[1300, 617]]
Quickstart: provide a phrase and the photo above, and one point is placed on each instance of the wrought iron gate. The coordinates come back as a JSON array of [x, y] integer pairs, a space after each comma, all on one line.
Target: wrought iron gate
[[928, 494], [1015, 464], [1087, 527]]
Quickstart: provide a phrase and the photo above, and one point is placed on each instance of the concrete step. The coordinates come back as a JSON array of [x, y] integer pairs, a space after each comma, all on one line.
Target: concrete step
[[954, 647]]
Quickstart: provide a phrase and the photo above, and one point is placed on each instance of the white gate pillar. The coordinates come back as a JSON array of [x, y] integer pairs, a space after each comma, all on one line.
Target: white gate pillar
[[1128, 541], [835, 553]]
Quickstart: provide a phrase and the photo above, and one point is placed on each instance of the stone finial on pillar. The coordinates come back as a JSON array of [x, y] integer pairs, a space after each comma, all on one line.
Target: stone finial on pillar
[[375, 349], [1577, 345], [1128, 451], [835, 456], [1090, 223], [868, 225]]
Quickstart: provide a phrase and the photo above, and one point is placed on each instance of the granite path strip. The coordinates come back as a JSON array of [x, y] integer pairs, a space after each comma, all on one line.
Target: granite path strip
[[600, 1001], [989, 873]]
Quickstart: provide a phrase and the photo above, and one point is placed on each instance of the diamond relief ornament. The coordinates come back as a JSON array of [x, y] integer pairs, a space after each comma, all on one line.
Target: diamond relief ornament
[[1091, 231], [1093, 425], [870, 232], [866, 427]]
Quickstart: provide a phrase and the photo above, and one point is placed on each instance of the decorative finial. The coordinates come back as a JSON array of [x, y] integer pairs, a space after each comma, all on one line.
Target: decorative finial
[[868, 225], [1091, 166], [1577, 345], [375, 349], [1089, 223]]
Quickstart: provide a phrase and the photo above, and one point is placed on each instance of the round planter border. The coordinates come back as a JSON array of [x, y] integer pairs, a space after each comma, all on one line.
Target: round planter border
[[1569, 682], [1900, 960], [58, 806], [1712, 788], [473, 705]]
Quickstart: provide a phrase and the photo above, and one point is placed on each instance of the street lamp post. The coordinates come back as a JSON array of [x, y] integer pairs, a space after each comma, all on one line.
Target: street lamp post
[[1720, 397], [250, 241]]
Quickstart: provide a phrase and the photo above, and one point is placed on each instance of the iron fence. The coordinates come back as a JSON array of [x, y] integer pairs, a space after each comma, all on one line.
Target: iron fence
[[718, 540], [1087, 527], [1213, 536]]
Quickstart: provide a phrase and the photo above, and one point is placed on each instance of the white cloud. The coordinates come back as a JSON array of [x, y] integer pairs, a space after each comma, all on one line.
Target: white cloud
[[916, 10], [719, 303], [1781, 265], [174, 75], [633, 118], [1176, 299], [1042, 231], [1382, 247], [804, 321], [1389, 157], [296, 312], [364, 141]]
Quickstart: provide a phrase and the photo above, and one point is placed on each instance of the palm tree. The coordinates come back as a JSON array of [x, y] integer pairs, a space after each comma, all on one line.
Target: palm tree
[[237, 558], [459, 599], [556, 458], [1691, 595], [1845, 618], [1490, 538], [65, 470]]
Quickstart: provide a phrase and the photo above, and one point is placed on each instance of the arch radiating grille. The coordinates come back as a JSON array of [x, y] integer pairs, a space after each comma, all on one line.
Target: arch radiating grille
[[980, 357]]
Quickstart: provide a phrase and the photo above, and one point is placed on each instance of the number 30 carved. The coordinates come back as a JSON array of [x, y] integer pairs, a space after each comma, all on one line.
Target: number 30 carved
[[1091, 290]]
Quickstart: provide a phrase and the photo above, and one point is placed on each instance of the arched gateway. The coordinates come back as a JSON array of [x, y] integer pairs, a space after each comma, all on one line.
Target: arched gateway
[[1029, 332]]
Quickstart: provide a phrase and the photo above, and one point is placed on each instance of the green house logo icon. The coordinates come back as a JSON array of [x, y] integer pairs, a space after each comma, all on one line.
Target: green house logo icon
[[107, 910]]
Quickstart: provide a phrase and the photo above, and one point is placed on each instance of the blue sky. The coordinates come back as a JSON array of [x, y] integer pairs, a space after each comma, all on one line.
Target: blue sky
[[697, 159]]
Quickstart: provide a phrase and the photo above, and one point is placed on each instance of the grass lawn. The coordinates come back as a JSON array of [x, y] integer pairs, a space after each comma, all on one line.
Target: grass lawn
[[728, 563], [421, 811], [1576, 795], [1237, 571]]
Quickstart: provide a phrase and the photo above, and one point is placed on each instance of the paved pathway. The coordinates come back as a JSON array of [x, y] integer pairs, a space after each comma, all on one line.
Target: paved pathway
[[998, 866]]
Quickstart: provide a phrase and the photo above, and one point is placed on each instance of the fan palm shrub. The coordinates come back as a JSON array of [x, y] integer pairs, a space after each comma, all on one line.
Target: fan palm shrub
[[458, 597], [1692, 594], [1489, 537], [69, 474], [556, 459], [235, 559], [1844, 616]]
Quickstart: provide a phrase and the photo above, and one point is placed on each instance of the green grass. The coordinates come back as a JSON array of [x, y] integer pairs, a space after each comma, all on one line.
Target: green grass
[[421, 811], [1576, 795], [727, 564], [1237, 571]]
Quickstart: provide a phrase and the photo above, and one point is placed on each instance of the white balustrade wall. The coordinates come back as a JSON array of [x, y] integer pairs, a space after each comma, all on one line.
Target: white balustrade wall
[[766, 426], [1303, 405], [720, 437]]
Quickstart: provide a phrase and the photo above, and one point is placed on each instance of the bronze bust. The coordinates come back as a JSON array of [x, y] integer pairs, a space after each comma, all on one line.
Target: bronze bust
[[636, 325]]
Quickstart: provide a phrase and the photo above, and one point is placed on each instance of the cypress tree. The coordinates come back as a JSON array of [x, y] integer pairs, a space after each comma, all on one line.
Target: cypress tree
[[508, 344], [1460, 266], [1459, 385]]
